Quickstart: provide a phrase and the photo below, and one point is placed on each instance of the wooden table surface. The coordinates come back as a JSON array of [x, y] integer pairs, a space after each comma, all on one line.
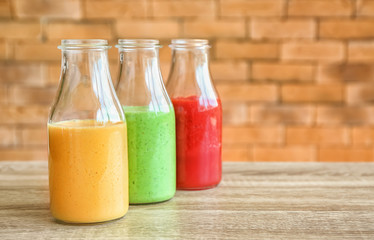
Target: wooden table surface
[[254, 201]]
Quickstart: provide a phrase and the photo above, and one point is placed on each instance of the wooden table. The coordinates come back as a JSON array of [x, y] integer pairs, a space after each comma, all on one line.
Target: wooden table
[[254, 201]]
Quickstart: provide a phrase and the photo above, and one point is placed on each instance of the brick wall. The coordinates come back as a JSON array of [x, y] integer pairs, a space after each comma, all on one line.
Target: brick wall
[[296, 77]]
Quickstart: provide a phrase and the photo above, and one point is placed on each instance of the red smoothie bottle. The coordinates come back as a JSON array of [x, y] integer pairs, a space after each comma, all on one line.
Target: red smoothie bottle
[[198, 115]]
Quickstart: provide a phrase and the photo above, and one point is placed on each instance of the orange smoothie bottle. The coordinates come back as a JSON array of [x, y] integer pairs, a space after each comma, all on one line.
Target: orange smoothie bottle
[[87, 139]]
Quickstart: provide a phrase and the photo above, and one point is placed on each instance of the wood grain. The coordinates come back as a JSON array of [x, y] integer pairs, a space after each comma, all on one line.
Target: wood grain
[[254, 201]]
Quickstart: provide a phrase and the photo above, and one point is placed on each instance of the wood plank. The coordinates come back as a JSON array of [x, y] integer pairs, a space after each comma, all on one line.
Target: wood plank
[[254, 200]]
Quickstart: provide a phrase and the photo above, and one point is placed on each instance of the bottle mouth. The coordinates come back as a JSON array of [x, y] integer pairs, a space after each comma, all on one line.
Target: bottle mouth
[[84, 44], [189, 43], [137, 43]]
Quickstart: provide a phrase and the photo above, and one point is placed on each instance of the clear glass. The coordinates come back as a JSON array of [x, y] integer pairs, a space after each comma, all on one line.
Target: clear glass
[[198, 114], [151, 122], [87, 139]]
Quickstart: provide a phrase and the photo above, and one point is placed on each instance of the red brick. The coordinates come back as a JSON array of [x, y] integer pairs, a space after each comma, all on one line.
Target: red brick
[[22, 154], [78, 31], [36, 136], [248, 92], [346, 29], [282, 29], [31, 95], [284, 154], [365, 8], [282, 72], [23, 114], [363, 136], [235, 113], [313, 51], [214, 28], [37, 52], [318, 136], [114, 68], [253, 8], [320, 8], [20, 30], [3, 95], [30, 74], [147, 29], [236, 154], [251, 74], [5, 10], [165, 70], [361, 52], [165, 53], [8, 136], [360, 93], [345, 72], [345, 155], [183, 8], [333, 115], [47, 8], [3, 49], [53, 75], [282, 114], [116, 9], [113, 55], [312, 93], [229, 70], [246, 50], [252, 135]]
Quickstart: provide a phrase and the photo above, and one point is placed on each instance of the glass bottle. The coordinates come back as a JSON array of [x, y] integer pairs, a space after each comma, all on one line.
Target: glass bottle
[[87, 139], [151, 122], [198, 115]]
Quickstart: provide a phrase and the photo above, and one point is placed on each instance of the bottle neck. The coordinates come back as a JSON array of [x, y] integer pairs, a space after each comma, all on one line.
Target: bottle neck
[[190, 75], [139, 65], [190, 61], [140, 82], [87, 70], [86, 87], [87, 62]]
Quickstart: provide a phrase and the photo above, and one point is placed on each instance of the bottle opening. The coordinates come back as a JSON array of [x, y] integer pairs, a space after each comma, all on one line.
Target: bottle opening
[[138, 43], [84, 43], [189, 43]]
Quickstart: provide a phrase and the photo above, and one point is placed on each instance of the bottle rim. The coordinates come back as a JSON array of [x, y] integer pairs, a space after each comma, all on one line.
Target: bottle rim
[[138, 43], [189, 43], [84, 44]]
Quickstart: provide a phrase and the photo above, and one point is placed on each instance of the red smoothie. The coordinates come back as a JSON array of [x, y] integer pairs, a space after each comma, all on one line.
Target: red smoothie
[[199, 141]]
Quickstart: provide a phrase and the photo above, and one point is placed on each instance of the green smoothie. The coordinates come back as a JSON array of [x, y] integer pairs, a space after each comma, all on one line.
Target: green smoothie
[[151, 149]]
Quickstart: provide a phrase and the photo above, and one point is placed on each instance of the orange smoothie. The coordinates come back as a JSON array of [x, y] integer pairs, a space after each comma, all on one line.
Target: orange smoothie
[[88, 171]]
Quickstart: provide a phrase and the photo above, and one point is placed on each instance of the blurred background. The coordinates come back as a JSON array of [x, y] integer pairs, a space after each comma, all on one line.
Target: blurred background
[[296, 77]]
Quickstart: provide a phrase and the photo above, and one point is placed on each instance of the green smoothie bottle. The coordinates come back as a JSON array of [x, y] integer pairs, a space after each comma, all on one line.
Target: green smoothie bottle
[[150, 122]]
